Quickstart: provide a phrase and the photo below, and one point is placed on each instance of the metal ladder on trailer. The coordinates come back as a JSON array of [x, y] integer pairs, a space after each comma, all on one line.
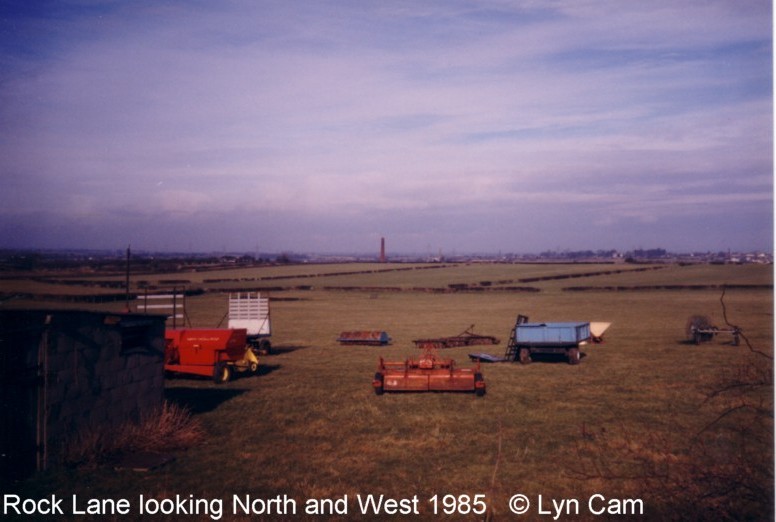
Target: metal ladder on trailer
[[512, 350]]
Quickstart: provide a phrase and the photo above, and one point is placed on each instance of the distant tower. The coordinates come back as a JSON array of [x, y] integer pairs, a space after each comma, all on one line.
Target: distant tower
[[382, 250]]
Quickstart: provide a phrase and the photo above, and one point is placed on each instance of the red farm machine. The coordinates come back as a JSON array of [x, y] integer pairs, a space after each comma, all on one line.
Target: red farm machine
[[215, 352], [209, 352], [427, 373]]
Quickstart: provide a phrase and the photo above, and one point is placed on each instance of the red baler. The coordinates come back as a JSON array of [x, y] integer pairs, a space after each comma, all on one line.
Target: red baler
[[208, 352]]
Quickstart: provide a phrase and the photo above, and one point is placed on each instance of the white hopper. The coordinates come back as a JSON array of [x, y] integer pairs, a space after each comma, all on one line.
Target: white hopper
[[597, 330]]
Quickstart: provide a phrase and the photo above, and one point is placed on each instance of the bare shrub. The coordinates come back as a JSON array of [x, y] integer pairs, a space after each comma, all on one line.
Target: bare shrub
[[169, 428]]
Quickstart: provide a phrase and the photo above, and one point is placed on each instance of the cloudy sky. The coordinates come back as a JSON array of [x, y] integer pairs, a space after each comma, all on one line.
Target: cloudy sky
[[441, 125]]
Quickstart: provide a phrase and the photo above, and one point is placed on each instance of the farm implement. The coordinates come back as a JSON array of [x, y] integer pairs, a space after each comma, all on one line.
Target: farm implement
[[465, 338], [220, 352], [427, 373], [251, 311], [215, 353], [367, 338], [529, 339], [700, 330]]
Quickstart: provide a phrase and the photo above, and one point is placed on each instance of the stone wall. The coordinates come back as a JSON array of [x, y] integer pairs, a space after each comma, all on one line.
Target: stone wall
[[69, 371]]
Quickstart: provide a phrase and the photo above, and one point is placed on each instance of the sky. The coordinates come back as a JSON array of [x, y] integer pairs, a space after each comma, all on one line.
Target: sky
[[441, 125]]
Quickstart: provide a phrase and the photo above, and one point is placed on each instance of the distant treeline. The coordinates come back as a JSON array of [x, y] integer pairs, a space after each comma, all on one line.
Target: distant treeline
[[65, 298], [324, 274], [182, 282], [433, 290], [570, 276], [80, 298], [637, 288]]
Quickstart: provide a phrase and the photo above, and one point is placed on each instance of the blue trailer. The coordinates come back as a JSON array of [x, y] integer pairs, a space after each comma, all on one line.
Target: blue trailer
[[562, 338]]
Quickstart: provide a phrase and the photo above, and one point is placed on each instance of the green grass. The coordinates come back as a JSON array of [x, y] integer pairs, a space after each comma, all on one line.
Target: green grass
[[310, 426]]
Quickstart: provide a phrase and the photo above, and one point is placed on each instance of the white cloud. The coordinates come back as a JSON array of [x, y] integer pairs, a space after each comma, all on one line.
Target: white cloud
[[403, 108]]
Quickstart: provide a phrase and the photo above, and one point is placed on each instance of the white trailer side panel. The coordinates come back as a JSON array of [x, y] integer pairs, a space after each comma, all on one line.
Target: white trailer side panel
[[250, 311]]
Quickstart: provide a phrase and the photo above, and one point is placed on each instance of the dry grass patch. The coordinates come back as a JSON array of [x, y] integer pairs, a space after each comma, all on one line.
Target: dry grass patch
[[171, 428]]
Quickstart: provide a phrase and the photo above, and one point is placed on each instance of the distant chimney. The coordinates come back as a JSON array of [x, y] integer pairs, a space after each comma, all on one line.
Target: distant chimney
[[382, 250]]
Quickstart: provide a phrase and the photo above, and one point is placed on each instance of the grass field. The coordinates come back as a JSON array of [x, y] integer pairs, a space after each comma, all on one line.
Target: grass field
[[687, 430]]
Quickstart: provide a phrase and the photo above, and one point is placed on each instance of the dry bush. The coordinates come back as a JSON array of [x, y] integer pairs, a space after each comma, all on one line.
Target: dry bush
[[169, 428]]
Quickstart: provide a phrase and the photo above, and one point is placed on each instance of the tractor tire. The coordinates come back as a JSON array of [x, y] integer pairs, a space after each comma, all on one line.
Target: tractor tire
[[573, 354], [253, 367], [379, 390], [266, 347], [524, 355], [222, 373], [698, 322]]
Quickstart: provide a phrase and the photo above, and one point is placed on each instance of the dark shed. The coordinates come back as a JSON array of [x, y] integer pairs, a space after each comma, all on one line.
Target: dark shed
[[65, 371]]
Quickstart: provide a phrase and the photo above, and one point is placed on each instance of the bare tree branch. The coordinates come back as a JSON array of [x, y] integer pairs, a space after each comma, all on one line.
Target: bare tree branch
[[740, 333]]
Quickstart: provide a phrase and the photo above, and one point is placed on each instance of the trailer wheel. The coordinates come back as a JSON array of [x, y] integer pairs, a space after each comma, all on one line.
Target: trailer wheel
[[222, 373], [525, 356], [479, 392], [695, 323], [253, 367], [379, 390], [573, 355]]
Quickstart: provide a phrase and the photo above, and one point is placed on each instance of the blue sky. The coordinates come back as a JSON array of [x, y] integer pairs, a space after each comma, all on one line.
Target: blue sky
[[450, 125]]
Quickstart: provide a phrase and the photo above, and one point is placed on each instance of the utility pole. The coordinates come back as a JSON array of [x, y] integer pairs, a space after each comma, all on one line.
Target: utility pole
[[126, 283]]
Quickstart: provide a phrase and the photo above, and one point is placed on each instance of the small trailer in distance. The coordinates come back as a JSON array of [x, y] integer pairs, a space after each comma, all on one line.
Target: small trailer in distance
[[251, 311], [365, 337], [700, 330], [562, 338]]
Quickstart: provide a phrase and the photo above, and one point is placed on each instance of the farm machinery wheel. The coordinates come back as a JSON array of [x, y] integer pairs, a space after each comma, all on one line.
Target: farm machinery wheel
[[379, 390], [263, 347], [525, 356], [695, 327], [222, 372], [253, 367], [478, 391], [573, 356]]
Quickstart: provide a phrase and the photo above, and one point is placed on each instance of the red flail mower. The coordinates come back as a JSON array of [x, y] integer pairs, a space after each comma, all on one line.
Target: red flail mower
[[427, 373]]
